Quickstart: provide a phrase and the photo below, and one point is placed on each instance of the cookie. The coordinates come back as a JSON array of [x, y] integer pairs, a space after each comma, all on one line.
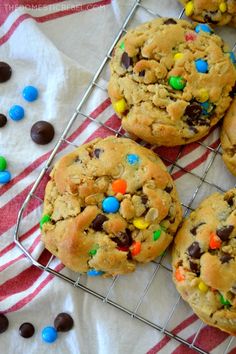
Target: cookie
[[228, 138], [171, 81], [204, 261], [217, 12], [110, 204]]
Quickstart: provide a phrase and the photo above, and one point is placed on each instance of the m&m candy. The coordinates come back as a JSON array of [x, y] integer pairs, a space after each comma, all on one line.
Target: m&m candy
[[224, 301], [189, 8], [132, 159], [5, 177], [177, 82], [16, 112], [215, 241], [203, 27], [49, 334], [110, 205], [30, 93], [222, 7], [3, 163], [157, 234], [119, 186], [136, 248], [202, 287], [45, 218], [201, 66], [140, 223], [94, 273], [179, 276], [120, 106]]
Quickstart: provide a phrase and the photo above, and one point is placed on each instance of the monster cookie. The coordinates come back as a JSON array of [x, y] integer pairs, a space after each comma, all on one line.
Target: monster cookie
[[109, 205], [204, 261], [218, 12], [228, 138], [171, 81]]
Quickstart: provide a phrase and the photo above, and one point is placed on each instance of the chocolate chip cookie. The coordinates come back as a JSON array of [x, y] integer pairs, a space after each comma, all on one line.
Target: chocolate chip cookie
[[228, 138], [171, 81], [217, 12], [204, 261], [109, 205]]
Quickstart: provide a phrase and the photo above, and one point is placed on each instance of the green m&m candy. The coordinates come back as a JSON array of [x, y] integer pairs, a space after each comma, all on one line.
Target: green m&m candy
[[45, 218], [3, 163], [224, 301], [177, 82]]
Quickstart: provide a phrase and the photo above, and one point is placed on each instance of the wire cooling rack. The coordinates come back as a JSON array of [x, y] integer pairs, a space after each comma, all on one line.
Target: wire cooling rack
[[203, 182]]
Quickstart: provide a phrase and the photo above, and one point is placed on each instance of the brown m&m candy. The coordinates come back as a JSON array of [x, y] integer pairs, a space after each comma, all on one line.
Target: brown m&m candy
[[42, 132], [4, 323], [63, 322]]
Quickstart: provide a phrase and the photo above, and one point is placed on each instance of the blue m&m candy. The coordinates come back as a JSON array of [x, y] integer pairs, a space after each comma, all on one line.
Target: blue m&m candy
[[49, 334], [201, 66], [232, 57], [206, 107], [110, 205], [132, 159], [5, 177], [16, 112], [30, 93], [94, 273], [203, 27]]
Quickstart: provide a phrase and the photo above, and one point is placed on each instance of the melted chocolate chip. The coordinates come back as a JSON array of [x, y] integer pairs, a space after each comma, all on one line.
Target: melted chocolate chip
[[230, 200], [194, 229], [5, 71], [63, 322], [168, 189], [193, 111], [224, 232], [42, 132], [129, 256], [97, 223], [97, 153], [4, 323], [194, 250], [170, 21], [142, 73], [77, 160], [126, 60], [208, 19], [3, 120], [233, 91], [123, 239], [144, 199], [26, 330], [194, 267], [225, 258]]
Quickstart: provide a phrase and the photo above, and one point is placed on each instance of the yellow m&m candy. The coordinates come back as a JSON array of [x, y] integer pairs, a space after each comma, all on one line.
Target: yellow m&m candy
[[202, 287], [140, 223], [223, 7], [178, 56], [189, 8], [120, 106]]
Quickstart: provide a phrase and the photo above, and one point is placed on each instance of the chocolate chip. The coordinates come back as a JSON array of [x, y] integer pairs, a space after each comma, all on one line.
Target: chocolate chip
[[170, 21], [230, 200], [193, 129], [26, 330], [194, 229], [208, 19], [144, 199], [4, 323], [42, 132], [97, 153], [194, 250], [77, 160], [3, 120], [123, 239], [224, 232], [97, 223], [168, 189], [194, 267], [129, 256], [142, 73], [193, 111], [233, 91], [126, 60], [225, 258], [63, 322], [5, 71]]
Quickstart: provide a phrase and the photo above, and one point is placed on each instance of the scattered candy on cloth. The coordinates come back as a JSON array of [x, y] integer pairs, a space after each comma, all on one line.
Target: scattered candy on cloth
[[56, 49]]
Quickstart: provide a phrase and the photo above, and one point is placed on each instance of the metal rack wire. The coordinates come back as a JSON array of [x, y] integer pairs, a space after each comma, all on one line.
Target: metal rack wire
[[174, 165]]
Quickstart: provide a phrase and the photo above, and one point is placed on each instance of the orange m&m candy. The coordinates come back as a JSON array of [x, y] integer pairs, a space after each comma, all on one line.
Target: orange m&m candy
[[119, 186], [179, 274], [135, 248], [215, 241]]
